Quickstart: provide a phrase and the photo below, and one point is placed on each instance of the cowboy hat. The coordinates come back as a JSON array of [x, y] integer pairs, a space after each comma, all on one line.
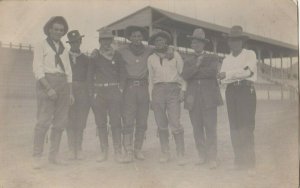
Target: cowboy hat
[[74, 35], [130, 29], [57, 19], [162, 34], [236, 32], [198, 34], [105, 33]]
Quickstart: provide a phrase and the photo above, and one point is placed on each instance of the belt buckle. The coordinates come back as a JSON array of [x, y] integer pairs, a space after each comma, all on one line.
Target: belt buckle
[[199, 82], [136, 83], [105, 85]]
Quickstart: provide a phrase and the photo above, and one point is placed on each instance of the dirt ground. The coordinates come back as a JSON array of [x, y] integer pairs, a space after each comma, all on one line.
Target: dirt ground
[[276, 138]]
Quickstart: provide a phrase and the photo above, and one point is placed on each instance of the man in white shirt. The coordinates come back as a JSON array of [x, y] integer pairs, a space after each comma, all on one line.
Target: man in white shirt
[[53, 73], [239, 72], [166, 88]]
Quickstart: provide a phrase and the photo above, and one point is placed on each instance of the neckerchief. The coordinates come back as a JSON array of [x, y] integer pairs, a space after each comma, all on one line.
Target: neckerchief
[[73, 56], [58, 52], [137, 50], [107, 53]]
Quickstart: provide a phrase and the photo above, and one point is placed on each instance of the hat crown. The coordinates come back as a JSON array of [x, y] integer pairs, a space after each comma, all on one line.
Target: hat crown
[[73, 35], [236, 31], [105, 33], [198, 33]]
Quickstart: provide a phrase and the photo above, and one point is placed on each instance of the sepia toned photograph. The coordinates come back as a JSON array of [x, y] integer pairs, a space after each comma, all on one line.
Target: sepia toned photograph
[[149, 94]]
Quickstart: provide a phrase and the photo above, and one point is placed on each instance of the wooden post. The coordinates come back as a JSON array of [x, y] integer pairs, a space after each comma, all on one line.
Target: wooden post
[[215, 44], [271, 58], [291, 67], [281, 68]]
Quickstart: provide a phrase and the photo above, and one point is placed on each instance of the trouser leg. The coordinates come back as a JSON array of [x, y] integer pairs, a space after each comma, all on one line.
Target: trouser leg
[[45, 111], [210, 124], [141, 116], [114, 112], [129, 116]]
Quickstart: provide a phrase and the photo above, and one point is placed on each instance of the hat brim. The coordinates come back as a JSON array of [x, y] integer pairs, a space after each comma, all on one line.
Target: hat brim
[[53, 19], [80, 37], [242, 37], [130, 29], [161, 34], [201, 39]]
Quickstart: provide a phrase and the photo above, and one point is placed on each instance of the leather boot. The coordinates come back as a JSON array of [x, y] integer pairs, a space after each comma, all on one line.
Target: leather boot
[[71, 143], [38, 141], [103, 138], [164, 143], [138, 143], [128, 146], [179, 140], [116, 136], [55, 138]]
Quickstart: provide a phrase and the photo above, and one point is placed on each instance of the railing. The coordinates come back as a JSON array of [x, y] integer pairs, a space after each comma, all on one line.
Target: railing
[[19, 46]]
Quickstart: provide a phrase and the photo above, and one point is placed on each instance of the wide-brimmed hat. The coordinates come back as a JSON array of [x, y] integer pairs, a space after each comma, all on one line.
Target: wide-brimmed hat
[[105, 33], [132, 28], [198, 34], [74, 35], [163, 34], [54, 19], [236, 32]]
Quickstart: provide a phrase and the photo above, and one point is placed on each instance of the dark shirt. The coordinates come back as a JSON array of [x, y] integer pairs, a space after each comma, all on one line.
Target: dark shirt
[[103, 70], [79, 68], [135, 64]]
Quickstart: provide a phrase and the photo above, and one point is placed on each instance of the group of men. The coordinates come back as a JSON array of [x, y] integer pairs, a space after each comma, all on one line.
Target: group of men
[[122, 84]]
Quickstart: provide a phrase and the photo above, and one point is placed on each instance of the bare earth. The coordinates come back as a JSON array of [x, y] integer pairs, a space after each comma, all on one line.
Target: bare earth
[[276, 138]]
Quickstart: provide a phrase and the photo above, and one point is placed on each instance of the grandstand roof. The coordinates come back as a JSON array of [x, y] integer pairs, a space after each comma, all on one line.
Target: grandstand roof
[[151, 17]]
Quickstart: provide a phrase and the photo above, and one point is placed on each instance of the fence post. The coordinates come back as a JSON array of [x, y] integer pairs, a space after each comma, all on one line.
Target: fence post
[[29, 47], [10, 45], [20, 46]]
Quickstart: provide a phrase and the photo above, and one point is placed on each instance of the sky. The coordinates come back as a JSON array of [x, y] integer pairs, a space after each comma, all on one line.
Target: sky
[[23, 21]]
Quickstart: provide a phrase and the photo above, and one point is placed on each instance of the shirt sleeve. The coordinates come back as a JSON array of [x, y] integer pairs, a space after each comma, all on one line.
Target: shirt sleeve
[[38, 61], [246, 71], [150, 80], [179, 66], [68, 68]]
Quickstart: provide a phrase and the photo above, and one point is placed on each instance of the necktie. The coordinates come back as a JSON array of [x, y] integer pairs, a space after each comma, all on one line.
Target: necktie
[[58, 52]]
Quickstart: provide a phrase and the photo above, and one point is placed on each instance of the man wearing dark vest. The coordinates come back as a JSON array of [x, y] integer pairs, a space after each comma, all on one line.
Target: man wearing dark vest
[[104, 73], [203, 97], [80, 109], [53, 73]]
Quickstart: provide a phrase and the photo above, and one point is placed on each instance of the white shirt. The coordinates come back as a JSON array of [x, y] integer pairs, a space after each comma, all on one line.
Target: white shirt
[[234, 67], [169, 71], [44, 61]]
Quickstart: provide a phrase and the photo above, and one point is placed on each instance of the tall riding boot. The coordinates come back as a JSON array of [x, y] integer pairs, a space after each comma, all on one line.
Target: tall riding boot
[[71, 142], [179, 140], [103, 138], [128, 146], [38, 147], [79, 139], [116, 136], [38, 141], [138, 144], [164, 143], [55, 138]]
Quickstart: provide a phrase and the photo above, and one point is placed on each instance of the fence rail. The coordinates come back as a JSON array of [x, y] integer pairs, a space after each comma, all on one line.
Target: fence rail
[[19, 46]]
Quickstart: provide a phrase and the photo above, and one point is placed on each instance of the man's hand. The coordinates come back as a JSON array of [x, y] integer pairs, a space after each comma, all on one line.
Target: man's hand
[[52, 94], [221, 75], [181, 96]]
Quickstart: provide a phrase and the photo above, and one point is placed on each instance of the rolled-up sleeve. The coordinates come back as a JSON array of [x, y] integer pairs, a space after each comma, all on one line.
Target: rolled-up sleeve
[[38, 61]]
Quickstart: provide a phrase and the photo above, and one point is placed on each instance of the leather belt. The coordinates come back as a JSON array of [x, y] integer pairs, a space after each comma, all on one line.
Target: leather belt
[[133, 83], [242, 83]]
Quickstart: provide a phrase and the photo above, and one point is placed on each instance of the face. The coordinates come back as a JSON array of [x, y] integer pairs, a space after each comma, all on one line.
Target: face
[[56, 31], [197, 45], [75, 45], [160, 43], [235, 44], [136, 37], [105, 42]]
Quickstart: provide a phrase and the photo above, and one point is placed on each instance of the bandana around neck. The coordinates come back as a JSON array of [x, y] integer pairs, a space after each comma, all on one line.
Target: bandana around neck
[[137, 49], [107, 53], [58, 52]]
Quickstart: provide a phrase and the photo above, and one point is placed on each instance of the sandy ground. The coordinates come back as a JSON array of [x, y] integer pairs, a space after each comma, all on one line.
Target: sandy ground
[[276, 138]]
